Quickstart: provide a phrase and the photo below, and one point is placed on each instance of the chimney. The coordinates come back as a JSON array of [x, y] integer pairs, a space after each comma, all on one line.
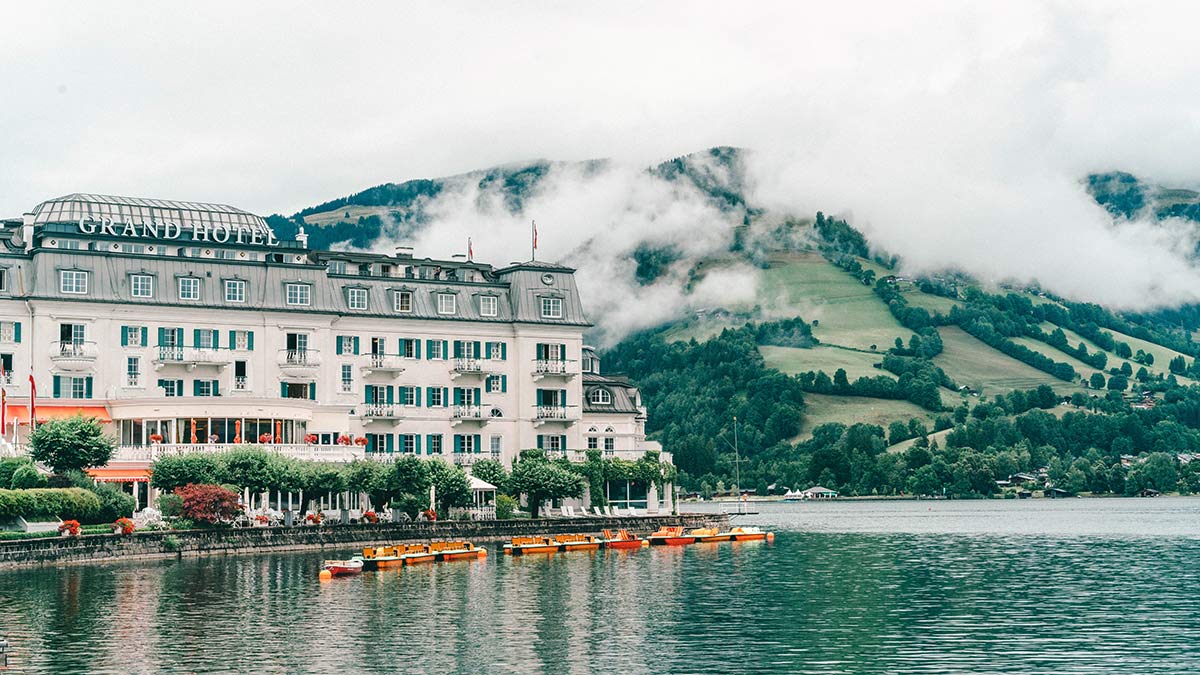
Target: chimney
[[302, 237], [404, 251], [459, 257]]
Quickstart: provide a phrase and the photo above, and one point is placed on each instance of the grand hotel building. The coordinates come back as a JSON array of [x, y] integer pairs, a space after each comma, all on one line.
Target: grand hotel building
[[188, 326]]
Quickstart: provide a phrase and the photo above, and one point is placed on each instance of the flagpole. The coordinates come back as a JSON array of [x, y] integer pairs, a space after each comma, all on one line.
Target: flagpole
[[533, 241]]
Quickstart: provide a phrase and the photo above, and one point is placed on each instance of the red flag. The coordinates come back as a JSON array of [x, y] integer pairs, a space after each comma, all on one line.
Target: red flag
[[470, 250], [32, 399], [3, 401]]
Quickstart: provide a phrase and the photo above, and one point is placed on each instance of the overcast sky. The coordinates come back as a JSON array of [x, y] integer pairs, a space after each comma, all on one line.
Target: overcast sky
[[274, 107]]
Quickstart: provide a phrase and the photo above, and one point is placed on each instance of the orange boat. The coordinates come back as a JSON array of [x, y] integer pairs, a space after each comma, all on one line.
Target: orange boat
[[577, 542], [382, 556], [343, 567], [414, 554], [455, 550], [750, 534], [708, 535], [527, 545], [621, 539], [671, 536]]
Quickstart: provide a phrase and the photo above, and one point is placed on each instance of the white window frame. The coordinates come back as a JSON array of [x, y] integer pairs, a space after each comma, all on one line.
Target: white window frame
[[436, 398], [169, 389], [600, 396], [555, 307], [440, 355], [194, 282], [447, 303], [206, 339], [593, 442], [241, 340], [408, 348], [402, 301], [468, 444], [347, 378], [204, 388], [133, 336], [408, 397], [488, 305], [356, 298], [238, 288], [490, 381], [133, 371], [73, 282], [302, 297], [610, 444], [496, 444], [141, 286], [431, 438], [552, 442], [3, 279], [77, 387], [408, 444], [8, 331]]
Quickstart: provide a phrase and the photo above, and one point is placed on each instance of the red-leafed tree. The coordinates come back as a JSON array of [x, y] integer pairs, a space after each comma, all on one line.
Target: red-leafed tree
[[209, 503]]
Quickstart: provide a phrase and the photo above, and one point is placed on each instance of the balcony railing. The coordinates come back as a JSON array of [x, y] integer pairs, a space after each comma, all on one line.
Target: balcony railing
[[133, 379], [381, 411], [325, 453], [467, 365], [550, 366], [7, 377], [298, 362], [192, 356], [240, 383], [467, 412], [73, 356], [383, 363], [552, 412]]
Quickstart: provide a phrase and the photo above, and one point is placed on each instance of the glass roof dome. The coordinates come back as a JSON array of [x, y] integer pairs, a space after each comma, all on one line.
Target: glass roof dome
[[73, 207]]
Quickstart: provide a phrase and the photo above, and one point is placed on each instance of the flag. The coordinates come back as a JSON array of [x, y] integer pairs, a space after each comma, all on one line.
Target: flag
[[32, 400], [3, 401], [470, 250], [534, 235]]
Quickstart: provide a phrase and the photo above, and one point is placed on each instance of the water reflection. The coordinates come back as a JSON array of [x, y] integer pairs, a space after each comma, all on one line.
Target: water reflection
[[1085, 588]]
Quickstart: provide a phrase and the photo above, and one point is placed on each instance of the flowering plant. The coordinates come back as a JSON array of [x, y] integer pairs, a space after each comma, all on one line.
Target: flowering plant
[[370, 517], [262, 519], [69, 527], [264, 438], [315, 518], [125, 525], [361, 441], [156, 438], [311, 439], [430, 514], [344, 440]]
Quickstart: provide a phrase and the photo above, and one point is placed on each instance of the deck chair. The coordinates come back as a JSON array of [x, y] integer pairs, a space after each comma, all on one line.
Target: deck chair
[[609, 511], [598, 511], [568, 511]]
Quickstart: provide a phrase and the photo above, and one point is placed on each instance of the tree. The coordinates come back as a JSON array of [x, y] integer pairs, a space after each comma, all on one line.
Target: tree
[[451, 486], [924, 481], [71, 444], [174, 471], [1118, 383], [1157, 472], [407, 485], [366, 476], [252, 468], [540, 479], [491, 471], [210, 504], [1096, 381], [27, 476]]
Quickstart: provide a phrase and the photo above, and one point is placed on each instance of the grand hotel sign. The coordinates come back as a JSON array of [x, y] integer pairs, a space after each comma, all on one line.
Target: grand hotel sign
[[219, 233]]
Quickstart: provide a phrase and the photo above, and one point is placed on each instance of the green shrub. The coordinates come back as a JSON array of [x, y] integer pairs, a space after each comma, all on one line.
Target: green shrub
[[6, 536], [27, 476], [170, 505], [9, 466], [114, 503], [50, 503], [505, 506], [183, 524], [170, 543]]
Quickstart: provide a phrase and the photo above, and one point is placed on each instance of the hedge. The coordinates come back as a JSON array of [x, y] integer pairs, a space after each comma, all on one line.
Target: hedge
[[49, 503]]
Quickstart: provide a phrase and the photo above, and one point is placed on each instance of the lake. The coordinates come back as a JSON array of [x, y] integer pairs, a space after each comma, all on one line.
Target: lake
[[1034, 586]]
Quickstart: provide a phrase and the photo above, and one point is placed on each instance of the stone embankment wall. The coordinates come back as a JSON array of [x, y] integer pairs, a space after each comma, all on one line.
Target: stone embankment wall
[[342, 539]]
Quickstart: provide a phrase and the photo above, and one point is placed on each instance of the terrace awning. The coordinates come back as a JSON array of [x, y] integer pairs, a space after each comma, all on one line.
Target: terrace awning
[[45, 412], [107, 475]]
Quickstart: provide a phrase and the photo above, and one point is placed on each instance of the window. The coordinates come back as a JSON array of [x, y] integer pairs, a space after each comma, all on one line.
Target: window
[[437, 397], [435, 444], [295, 390], [402, 301], [9, 331], [552, 308], [241, 339], [347, 378], [408, 443], [496, 351], [235, 290], [345, 344], [171, 388], [408, 396], [133, 248], [494, 384], [189, 288], [378, 346], [593, 443], [298, 294], [497, 444], [466, 443], [610, 444], [446, 303], [3, 280], [133, 371], [487, 305], [551, 352], [71, 333], [408, 348], [78, 387], [69, 244], [141, 286], [437, 349], [6, 362], [204, 388], [204, 339], [74, 282], [240, 373], [356, 298], [337, 266], [600, 397], [133, 336], [553, 443]]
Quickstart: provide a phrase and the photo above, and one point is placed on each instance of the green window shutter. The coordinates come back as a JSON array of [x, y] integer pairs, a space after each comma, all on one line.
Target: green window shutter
[[178, 337], [478, 397], [370, 393], [337, 345], [145, 336], [356, 345], [390, 443], [562, 442], [562, 352], [17, 332], [371, 443], [196, 337], [390, 394], [429, 397], [232, 339], [458, 442], [478, 444], [429, 444], [541, 442], [458, 349], [416, 350], [417, 443], [540, 396], [475, 345], [57, 386], [162, 336], [87, 387], [216, 387], [179, 387], [562, 397], [503, 384], [195, 387], [503, 351], [312, 391], [541, 351], [250, 340], [163, 383], [445, 348], [417, 396], [124, 336], [458, 396], [216, 334], [283, 389]]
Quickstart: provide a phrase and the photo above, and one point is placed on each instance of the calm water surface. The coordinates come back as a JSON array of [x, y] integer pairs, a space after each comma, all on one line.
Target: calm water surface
[[1071, 586]]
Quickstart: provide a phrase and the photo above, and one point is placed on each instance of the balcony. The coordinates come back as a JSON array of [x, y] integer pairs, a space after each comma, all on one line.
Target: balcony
[[560, 368], [191, 357], [467, 413], [73, 357], [133, 380], [298, 363], [382, 363], [240, 383], [469, 458], [313, 452], [380, 411], [465, 365], [545, 414]]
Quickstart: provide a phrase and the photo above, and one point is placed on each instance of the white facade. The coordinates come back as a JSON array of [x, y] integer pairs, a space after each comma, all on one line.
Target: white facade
[[207, 344]]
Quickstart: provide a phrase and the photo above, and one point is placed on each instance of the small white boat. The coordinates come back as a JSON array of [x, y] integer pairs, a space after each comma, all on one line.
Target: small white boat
[[342, 567]]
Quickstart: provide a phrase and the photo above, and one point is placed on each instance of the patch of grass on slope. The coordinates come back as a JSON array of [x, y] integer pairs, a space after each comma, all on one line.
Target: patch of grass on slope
[[792, 360], [823, 409], [974, 364]]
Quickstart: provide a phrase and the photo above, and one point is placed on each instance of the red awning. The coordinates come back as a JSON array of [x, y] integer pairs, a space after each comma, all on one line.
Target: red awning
[[106, 475], [20, 413]]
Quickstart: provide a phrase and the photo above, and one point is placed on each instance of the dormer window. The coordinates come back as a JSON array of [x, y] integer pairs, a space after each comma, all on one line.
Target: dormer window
[[337, 266], [552, 308], [446, 303], [402, 301], [600, 396], [298, 295], [488, 305], [356, 298], [189, 288], [74, 282]]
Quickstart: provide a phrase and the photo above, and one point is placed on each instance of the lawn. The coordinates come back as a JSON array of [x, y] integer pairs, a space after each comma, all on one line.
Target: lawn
[[974, 364], [823, 409], [848, 312], [933, 303], [794, 360], [331, 217]]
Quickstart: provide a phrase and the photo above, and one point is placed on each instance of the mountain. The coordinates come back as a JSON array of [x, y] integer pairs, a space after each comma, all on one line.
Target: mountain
[[1127, 196]]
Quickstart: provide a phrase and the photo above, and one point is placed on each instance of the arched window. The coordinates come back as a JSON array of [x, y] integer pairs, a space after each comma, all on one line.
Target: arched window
[[610, 430], [592, 430], [496, 412], [600, 396]]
